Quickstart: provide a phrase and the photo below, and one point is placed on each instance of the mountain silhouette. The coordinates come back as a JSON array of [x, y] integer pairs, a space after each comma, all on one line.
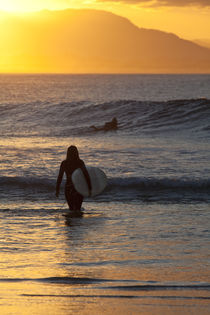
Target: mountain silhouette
[[93, 41], [203, 42]]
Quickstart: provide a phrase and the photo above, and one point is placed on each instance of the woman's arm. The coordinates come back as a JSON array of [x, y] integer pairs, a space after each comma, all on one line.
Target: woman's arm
[[87, 177], [59, 179]]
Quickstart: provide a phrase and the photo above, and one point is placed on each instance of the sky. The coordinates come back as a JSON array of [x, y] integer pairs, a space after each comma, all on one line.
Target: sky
[[189, 19]]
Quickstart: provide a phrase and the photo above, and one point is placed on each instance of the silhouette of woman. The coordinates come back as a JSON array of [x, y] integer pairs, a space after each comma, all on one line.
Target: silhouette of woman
[[68, 166]]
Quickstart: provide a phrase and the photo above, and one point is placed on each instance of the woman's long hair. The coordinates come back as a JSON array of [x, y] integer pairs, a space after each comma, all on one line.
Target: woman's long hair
[[72, 154]]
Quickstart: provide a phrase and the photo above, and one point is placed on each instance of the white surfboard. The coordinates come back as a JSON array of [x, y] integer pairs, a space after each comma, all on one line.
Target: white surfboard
[[97, 177]]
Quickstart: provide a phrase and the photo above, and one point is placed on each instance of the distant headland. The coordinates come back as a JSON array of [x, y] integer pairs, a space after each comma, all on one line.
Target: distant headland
[[93, 41]]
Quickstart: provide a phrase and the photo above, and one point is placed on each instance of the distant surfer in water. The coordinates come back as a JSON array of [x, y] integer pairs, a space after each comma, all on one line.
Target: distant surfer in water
[[68, 166], [110, 125]]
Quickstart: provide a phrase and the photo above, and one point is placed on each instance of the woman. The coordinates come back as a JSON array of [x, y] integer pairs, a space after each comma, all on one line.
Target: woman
[[72, 162]]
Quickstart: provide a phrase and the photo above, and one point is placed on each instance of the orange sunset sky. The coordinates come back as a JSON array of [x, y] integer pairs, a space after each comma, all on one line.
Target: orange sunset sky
[[188, 19]]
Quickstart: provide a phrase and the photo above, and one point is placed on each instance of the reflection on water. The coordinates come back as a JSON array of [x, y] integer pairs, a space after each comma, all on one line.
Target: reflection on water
[[130, 259], [48, 298]]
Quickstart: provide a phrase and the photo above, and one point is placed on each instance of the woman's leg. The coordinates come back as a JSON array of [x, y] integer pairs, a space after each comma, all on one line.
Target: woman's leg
[[78, 201], [68, 195], [73, 198]]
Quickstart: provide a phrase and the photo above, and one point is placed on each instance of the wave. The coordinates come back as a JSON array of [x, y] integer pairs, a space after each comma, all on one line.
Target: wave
[[123, 189], [75, 118], [126, 183], [159, 190], [124, 290], [26, 183], [111, 296], [118, 284], [159, 183]]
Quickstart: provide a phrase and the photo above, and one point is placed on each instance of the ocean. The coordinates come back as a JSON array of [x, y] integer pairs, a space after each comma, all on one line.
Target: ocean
[[142, 246]]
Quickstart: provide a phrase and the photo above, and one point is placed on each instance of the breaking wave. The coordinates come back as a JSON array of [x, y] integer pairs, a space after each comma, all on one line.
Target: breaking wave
[[75, 118]]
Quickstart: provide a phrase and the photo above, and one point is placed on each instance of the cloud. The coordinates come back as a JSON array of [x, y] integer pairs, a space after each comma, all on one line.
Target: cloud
[[156, 3]]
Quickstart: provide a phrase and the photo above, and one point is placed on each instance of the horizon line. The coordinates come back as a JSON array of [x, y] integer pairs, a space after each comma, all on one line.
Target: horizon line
[[104, 73]]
